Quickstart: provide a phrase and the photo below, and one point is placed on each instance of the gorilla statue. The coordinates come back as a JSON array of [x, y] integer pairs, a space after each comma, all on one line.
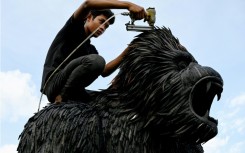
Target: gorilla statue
[[159, 102]]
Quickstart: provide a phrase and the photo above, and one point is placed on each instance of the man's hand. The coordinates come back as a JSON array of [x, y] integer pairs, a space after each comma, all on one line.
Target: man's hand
[[138, 12]]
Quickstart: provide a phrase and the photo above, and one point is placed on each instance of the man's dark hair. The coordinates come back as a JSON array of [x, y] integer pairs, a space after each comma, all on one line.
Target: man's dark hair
[[108, 13]]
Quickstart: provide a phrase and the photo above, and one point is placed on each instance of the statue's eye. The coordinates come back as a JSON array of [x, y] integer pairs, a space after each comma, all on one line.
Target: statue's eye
[[182, 65], [183, 59]]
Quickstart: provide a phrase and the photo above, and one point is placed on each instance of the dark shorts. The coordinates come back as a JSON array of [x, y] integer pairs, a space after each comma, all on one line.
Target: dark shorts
[[72, 80]]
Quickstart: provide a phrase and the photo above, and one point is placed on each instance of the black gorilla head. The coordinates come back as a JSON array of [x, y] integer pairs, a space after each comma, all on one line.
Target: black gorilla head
[[164, 85]]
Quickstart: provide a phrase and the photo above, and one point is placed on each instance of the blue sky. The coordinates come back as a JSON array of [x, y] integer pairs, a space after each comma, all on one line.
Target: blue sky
[[213, 31]]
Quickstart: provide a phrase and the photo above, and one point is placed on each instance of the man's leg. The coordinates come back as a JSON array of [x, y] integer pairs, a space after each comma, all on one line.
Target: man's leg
[[80, 73], [54, 86], [72, 80]]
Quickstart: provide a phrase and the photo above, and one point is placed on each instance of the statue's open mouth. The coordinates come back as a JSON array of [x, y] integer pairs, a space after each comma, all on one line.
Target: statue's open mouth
[[202, 97]]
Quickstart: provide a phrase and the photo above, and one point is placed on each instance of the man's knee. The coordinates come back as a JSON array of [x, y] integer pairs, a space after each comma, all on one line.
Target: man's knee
[[97, 63]]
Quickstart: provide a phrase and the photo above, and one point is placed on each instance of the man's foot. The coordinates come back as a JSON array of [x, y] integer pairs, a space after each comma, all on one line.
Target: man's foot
[[58, 99], [72, 94]]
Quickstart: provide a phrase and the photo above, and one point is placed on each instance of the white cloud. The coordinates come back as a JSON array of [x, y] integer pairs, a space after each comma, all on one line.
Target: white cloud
[[18, 95], [237, 148], [231, 128], [237, 106], [240, 124], [221, 145], [8, 149], [215, 145], [238, 101]]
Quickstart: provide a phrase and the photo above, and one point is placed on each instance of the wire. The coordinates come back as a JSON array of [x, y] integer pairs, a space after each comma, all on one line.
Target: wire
[[39, 105]]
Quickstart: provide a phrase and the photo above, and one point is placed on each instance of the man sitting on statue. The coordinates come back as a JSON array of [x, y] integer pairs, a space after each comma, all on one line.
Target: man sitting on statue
[[65, 78]]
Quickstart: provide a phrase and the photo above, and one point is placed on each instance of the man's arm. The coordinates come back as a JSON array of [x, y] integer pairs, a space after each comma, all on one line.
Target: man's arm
[[114, 64], [82, 12]]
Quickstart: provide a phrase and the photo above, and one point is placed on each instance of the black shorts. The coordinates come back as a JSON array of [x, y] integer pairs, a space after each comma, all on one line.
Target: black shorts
[[76, 75]]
